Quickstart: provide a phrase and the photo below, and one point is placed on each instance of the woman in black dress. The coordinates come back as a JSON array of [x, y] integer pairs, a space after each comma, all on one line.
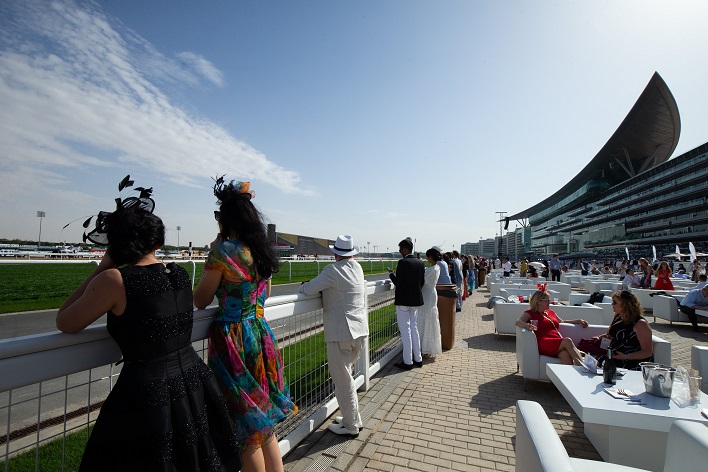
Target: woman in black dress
[[630, 334], [165, 412]]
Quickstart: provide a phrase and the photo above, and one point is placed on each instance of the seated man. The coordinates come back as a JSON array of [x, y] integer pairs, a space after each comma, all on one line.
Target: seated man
[[702, 280], [696, 299], [630, 280]]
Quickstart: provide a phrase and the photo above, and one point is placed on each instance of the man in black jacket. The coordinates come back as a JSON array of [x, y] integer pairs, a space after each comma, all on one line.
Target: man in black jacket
[[409, 279]]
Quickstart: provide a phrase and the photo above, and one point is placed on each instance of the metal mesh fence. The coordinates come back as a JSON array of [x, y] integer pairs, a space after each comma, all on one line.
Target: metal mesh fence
[[45, 426]]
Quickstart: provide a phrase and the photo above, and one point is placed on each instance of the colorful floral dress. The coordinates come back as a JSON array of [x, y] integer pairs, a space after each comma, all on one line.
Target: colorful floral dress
[[243, 351]]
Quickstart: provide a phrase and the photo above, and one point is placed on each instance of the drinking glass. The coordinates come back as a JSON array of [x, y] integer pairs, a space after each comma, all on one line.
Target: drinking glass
[[694, 389], [555, 301]]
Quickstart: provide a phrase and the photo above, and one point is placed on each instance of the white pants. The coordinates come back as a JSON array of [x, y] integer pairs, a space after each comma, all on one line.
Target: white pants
[[341, 355], [407, 324]]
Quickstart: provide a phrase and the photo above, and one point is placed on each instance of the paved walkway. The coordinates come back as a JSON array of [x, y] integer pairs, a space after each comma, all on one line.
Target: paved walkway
[[458, 411]]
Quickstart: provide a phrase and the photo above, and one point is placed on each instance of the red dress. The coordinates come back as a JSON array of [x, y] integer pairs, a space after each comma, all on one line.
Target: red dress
[[662, 280], [547, 334]]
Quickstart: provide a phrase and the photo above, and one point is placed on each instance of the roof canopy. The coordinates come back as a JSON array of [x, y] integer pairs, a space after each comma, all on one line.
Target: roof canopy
[[647, 137]]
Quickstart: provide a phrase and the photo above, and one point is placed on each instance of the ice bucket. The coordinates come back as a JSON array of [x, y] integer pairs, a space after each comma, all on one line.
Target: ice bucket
[[658, 378]]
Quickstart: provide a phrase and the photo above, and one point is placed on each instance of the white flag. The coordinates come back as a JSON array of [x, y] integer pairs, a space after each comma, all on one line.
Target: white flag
[[653, 250], [692, 250], [677, 251], [626, 249]]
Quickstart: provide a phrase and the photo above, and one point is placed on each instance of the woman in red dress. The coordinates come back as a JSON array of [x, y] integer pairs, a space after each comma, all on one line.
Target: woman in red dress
[[550, 341], [662, 277]]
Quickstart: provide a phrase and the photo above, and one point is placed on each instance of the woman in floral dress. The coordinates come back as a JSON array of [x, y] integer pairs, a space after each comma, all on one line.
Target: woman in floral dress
[[243, 352]]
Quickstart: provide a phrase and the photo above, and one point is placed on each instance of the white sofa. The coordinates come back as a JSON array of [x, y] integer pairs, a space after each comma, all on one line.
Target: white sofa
[[593, 314], [647, 302], [580, 298], [699, 361], [495, 287], [506, 314], [532, 365], [524, 291], [666, 308], [562, 288], [539, 449], [605, 304], [592, 286]]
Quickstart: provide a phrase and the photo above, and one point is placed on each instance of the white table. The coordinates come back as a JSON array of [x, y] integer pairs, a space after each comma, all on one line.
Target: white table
[[622, 433]]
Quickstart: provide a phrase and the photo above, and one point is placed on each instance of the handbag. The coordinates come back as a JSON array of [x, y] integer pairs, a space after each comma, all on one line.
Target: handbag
[[591, 346]]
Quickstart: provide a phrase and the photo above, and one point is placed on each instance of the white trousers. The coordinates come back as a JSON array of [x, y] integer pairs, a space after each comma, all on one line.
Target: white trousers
[[341, 355], [407, 317]]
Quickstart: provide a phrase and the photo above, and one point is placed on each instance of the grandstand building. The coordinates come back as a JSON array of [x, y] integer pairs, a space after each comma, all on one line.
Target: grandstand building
[[629, 195], [287, 245]]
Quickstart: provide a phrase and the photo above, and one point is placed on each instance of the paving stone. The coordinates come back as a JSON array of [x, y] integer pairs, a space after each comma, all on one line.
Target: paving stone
[[458, 412]]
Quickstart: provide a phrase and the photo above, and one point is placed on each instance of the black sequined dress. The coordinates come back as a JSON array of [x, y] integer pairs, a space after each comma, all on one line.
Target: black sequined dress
[[165, 412]]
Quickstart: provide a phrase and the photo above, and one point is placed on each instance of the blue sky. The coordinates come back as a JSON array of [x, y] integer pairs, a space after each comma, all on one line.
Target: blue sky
[[379, 119]]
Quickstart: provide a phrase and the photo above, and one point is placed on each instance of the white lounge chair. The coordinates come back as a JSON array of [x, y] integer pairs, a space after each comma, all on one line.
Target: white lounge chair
[[532, 365], [699, 361], [539, 449]]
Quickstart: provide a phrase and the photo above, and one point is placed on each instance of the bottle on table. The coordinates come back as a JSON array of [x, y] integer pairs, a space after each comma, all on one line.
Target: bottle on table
[[609, 369]]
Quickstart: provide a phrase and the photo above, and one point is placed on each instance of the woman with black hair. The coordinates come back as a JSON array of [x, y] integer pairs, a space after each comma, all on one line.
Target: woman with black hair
[[243, 351], [165, 412]]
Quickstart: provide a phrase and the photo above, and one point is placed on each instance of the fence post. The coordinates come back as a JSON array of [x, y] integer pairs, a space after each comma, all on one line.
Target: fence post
[[194, 271], [363, 363]]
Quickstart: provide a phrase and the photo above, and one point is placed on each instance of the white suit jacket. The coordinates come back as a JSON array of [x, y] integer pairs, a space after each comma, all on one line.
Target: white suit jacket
[[343, 290]]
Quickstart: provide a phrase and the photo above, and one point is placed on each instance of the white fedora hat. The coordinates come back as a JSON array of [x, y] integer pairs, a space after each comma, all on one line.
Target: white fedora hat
[[344, 246]]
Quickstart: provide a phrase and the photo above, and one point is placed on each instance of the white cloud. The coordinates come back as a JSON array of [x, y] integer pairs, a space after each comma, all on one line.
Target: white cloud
[[78, 89], [204, 67]]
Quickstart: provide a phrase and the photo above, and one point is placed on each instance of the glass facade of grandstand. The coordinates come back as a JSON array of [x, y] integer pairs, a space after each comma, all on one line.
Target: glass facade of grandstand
[[664, 206], [609, 206]]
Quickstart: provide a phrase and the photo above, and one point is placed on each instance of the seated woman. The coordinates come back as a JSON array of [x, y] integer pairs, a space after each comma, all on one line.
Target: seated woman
[[531, 272], [550, 341], [630, 334], [646, 270]]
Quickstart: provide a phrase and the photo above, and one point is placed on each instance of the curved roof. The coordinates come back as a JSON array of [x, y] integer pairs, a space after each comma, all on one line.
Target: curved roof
[[646, 137]]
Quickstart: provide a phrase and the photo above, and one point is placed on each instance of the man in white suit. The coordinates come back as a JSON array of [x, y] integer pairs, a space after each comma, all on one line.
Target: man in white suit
[[346, 327]]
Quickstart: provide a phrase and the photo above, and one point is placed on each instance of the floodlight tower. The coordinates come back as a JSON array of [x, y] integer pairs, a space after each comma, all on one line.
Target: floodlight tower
[[40, 215], [502, 216]]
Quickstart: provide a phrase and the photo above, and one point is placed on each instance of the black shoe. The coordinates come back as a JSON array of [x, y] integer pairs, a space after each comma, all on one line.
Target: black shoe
[[458, 310], [418, 363], [402, 365], [696, 329]]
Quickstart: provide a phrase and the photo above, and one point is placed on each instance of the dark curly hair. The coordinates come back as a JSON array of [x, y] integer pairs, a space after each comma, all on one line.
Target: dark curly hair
[[241, 220], [133, 233]]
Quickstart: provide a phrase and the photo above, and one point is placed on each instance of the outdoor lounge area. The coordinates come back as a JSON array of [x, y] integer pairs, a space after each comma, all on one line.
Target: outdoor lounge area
[[459, 411]]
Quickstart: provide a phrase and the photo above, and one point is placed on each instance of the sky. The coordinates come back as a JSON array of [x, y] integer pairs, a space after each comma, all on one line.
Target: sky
[[377, 119]]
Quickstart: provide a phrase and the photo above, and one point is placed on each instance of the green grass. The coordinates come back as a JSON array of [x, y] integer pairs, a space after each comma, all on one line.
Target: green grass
[[50, 455], [305, 360], [30, 287]]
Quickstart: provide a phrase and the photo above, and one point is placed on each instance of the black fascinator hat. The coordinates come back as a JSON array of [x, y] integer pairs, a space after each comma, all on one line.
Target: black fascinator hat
[[99, 234]]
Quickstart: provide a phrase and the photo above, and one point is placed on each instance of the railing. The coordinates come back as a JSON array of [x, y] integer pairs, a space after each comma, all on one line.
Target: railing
[[52, 385]]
